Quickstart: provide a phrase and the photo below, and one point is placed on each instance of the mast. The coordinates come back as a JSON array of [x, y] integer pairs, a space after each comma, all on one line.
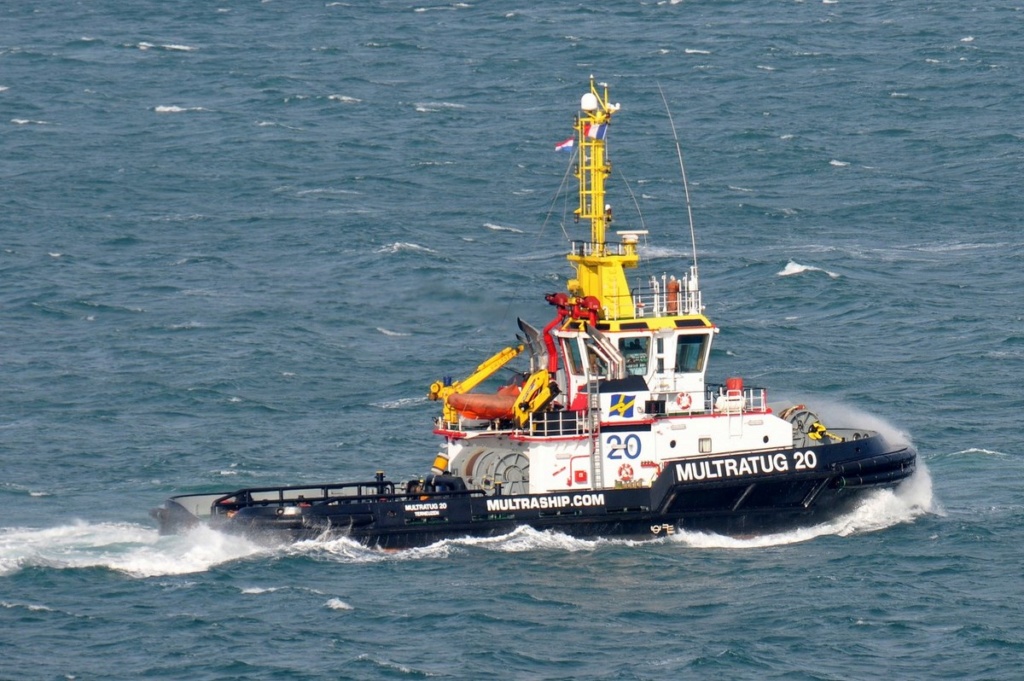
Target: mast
[[600, 266]]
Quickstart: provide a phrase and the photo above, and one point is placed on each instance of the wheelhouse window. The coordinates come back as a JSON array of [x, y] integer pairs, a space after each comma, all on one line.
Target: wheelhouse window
[[582, 360], [572, 355], [636, 353], [598, 367], [690, 352]]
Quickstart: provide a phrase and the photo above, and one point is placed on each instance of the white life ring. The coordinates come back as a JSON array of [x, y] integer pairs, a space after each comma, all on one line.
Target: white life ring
[[683, 401]]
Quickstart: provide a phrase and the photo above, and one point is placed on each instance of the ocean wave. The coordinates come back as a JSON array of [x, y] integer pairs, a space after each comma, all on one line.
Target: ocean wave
[[653, 252], [257, 590], [22, 489], [177, 109], [185, 326], [170, 47], [325, 190], [501, 228], [962, 246], [274, 124], [389, 332], [796, 268], [399, 403], [433, 107], [442, 8], [403, 246], [972, 451], [31, 607]]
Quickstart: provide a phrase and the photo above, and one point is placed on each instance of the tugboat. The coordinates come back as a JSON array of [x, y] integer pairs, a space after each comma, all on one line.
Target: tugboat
[[613, 432]]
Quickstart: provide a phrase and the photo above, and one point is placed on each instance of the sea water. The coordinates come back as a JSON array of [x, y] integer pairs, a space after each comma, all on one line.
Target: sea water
[[240, 239]]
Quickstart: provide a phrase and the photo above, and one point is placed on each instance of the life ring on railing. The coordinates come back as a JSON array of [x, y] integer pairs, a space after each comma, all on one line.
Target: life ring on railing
[[683, 401]]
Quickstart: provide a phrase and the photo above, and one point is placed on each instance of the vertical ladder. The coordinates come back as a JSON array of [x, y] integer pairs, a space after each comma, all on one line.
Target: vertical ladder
[[594, 422], [734, 418]]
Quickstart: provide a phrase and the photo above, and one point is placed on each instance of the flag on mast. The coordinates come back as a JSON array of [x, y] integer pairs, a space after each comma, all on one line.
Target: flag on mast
[[596, 131]]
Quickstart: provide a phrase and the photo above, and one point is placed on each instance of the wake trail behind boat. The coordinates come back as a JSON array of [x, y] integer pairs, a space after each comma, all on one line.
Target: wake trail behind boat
[[521, 540], [135, 550]]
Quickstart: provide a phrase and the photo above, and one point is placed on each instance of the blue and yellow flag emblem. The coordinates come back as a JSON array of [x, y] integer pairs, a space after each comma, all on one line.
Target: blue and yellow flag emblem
[[622, 405]]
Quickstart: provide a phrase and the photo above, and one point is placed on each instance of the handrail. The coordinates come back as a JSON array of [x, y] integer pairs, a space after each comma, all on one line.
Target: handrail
[[321, 495], [658, 297]]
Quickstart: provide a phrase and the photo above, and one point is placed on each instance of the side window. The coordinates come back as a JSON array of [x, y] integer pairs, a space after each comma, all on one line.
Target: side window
[[571, 348], [690, 353], [635, 352], [598, 367]]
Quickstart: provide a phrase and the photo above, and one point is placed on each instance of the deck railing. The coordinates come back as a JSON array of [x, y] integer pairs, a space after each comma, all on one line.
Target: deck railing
[[718, 400], [664, 296]]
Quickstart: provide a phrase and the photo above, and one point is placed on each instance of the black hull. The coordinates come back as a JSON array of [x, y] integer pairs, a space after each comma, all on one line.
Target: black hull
[[743, 497]]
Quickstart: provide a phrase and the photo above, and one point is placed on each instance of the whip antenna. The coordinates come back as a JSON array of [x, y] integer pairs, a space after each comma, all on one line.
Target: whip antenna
[[686, 186]]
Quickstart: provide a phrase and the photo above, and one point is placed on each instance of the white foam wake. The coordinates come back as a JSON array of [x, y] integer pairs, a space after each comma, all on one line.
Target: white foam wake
[[139, 551], [520, 540], [878, 511], [125, 547]]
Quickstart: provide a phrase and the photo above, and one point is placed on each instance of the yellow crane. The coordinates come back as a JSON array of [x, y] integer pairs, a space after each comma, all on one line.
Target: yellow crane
[[440, 390]]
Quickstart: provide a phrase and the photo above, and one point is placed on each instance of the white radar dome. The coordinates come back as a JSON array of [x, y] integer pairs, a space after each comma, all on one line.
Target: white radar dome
[[588, 102]]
